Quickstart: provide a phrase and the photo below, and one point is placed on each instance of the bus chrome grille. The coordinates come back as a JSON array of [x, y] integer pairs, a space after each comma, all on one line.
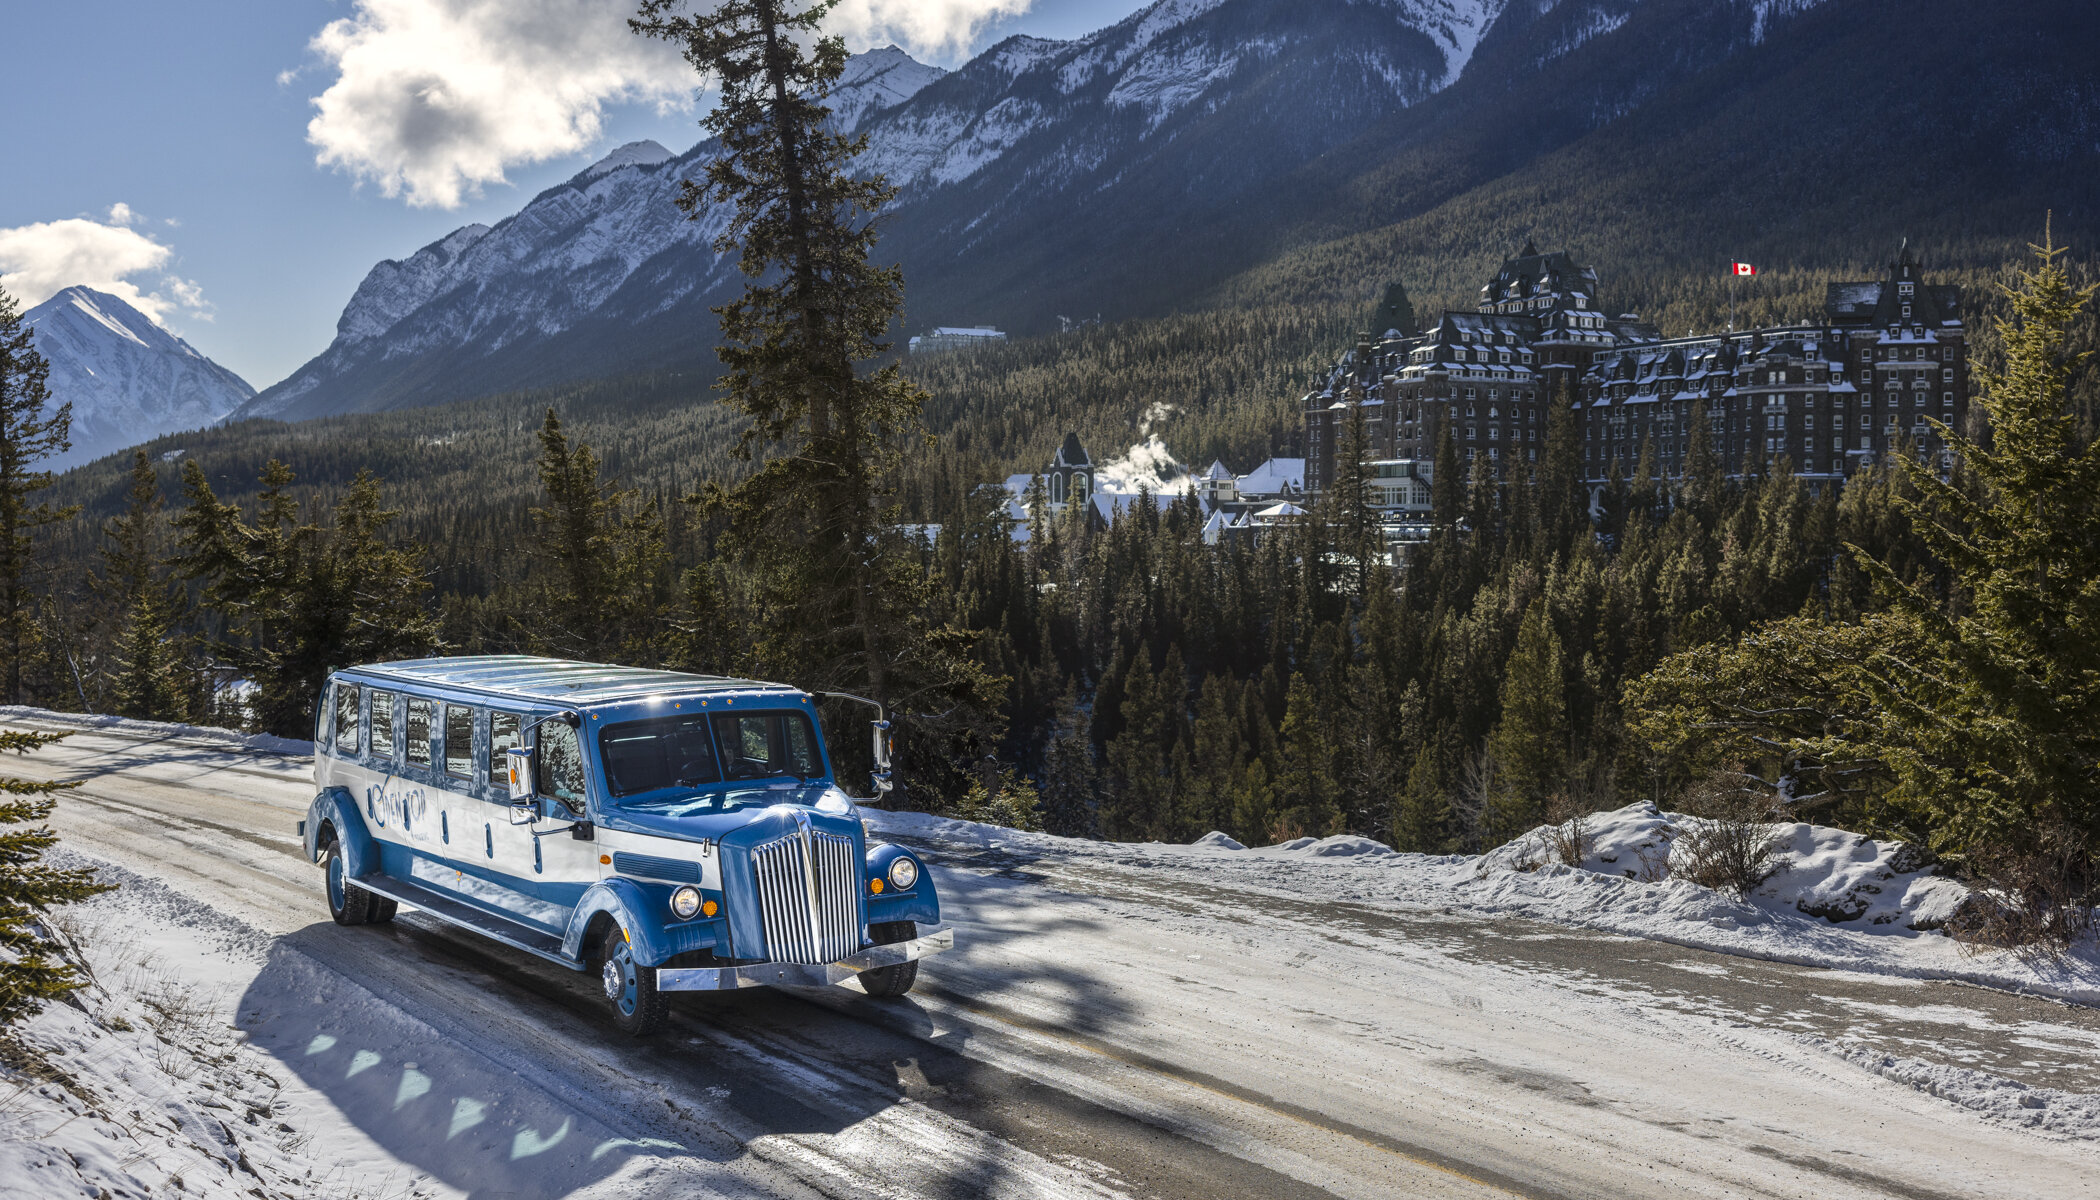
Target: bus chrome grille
[[808, 918]]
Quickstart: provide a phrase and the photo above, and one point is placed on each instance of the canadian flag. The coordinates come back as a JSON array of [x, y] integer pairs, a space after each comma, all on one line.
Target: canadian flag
[[1745, 269]]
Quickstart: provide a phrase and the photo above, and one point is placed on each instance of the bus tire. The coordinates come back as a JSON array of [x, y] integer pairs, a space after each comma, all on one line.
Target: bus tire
[[348, 903], [890, 981], [630, 988]]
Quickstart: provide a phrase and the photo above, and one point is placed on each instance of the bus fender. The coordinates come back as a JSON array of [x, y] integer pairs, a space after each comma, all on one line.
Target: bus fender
[[335, 809]]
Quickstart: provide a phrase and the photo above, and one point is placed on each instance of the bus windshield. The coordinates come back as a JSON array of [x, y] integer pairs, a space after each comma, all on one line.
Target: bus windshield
[[669, 758]]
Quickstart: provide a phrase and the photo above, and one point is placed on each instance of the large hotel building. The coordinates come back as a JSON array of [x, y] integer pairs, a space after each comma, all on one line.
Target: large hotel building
[[1827, 396]]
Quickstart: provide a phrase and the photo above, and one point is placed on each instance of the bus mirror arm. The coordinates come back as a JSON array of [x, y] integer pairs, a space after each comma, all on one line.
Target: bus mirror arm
[[884, 740], [521, 769]]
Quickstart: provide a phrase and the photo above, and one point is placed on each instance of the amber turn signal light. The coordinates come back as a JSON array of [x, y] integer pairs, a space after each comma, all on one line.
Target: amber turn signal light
[[605, 859], [707, 908], [875, 886]]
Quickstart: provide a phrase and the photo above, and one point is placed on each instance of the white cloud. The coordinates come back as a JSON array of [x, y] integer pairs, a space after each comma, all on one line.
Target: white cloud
[[435, 98], [925, 27], [40, 259]]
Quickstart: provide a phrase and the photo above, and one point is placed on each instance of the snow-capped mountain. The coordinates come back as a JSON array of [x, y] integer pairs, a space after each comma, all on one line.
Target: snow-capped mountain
[[127, 379], [1156, 163], [603, 273]]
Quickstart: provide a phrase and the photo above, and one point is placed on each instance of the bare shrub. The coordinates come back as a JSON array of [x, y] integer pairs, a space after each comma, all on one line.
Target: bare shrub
[[2035, 899], [1655, 863], [1732, 846], [1568, 835]]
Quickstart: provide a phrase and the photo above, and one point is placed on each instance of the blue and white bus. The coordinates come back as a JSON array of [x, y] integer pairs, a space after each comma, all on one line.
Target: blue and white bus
[[671, 832]]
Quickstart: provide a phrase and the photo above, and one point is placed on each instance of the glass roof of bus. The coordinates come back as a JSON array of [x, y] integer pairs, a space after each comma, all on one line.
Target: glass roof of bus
[[555, 679]]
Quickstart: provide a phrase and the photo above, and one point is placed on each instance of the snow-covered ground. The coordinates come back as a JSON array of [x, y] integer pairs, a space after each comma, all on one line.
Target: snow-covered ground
[[1837, 899], [1320, 1019]]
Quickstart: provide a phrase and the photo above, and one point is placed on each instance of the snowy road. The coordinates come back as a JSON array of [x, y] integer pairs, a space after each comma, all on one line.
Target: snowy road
[[1102, 1029]]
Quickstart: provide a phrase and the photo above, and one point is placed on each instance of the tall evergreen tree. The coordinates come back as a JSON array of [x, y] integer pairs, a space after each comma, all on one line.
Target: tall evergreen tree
[[33, 969], [1531, 741], [605, 557], [30, 432], [149, 678], [814, 519]]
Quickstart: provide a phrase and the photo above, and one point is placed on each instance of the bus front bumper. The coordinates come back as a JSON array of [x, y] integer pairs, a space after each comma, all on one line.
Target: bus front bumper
[[932, 940]]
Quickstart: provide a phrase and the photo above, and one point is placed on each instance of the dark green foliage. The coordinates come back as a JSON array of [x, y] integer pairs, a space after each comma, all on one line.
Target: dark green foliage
[[151, 672], [1964, 708], [298, 600], [603, 562], [33, 968], [30, 432]]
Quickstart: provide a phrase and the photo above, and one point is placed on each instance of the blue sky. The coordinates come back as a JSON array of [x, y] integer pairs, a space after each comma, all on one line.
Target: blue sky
[[232, 233]]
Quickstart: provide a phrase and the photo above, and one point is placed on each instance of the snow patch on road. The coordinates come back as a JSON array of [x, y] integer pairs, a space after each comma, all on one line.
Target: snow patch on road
[[1995, 1098]]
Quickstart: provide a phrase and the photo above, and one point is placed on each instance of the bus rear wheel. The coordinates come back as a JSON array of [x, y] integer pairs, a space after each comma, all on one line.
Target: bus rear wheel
[[348, 903]]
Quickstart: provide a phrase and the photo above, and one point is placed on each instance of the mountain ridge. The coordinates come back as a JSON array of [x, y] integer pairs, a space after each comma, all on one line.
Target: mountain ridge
[[128, 379], [1185, 155]]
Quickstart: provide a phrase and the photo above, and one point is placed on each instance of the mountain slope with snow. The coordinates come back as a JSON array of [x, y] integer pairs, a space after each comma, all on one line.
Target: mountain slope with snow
[[1151, 166], [603, 273], [127, 379]]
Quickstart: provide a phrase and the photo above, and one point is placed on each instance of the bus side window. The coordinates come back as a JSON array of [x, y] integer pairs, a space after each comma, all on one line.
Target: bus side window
[[418, 732], [560, 758], [459, 741], [346, 718], [381, 738], [503, 737]]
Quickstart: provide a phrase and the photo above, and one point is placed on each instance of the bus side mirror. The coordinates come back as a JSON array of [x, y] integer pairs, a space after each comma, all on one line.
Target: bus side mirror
[[522, 802], [882, 757]]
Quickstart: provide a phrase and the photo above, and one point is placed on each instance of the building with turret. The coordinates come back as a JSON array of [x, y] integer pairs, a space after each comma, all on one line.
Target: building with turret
[[1827, 396]]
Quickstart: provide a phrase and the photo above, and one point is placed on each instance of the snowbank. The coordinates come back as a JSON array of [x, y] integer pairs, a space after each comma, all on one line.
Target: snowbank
[[264, 743], [1821, 872], [1840, 901], [140, 1085]]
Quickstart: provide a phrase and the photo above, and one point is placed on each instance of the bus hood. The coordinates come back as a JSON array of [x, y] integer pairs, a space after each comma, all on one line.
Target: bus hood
[[763, 809]]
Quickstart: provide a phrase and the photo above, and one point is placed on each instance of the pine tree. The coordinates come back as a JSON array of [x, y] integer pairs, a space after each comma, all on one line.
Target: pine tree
[[149, 677], [28, 435], [1531, 742], [605, 556], [1447, 487], [1997, 734], [1070, 784], [32, 967], [1306, 790], [1422, 820], [1351, 521], [815, 521]]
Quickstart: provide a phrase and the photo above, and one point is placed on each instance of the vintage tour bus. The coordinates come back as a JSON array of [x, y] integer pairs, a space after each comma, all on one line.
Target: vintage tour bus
[[671, 832]]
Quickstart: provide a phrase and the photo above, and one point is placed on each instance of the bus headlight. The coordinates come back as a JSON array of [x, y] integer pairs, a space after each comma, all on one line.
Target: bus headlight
[[685, 902], [903, 873]]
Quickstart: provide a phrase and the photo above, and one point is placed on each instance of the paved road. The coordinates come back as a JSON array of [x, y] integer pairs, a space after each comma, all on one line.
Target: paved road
[[1101, 1030]]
